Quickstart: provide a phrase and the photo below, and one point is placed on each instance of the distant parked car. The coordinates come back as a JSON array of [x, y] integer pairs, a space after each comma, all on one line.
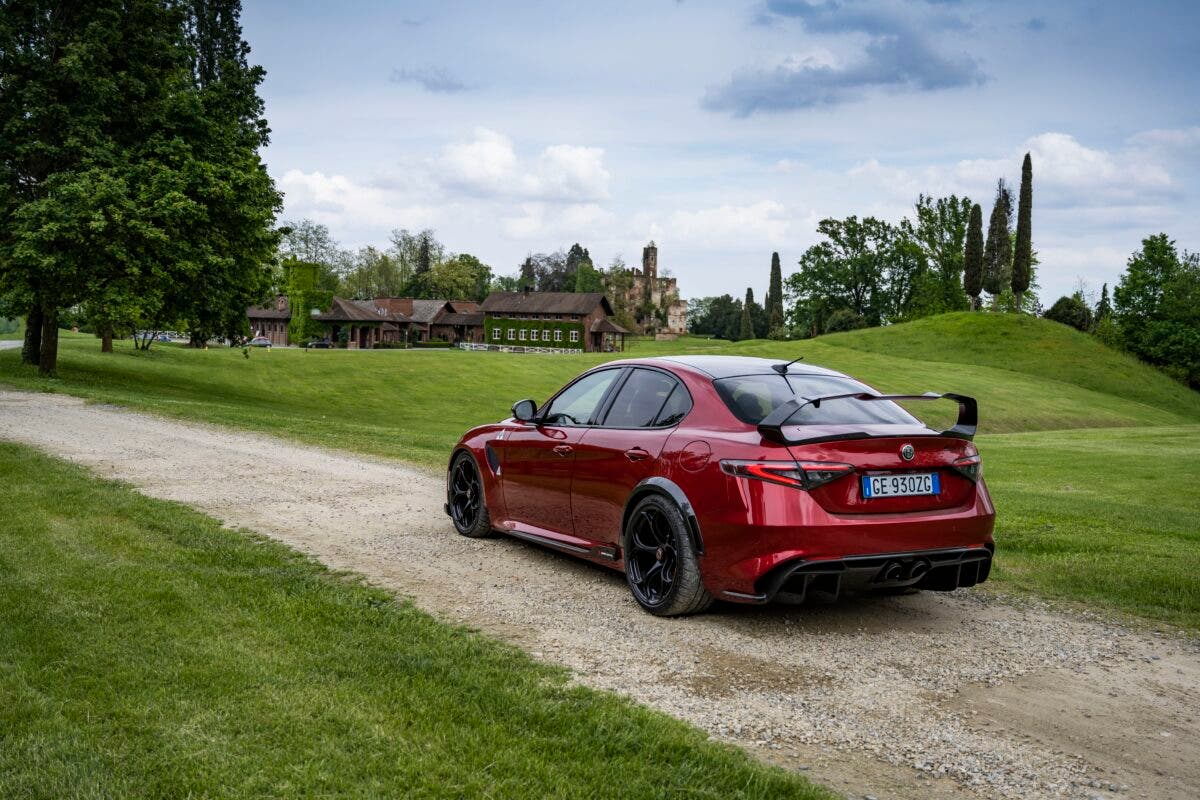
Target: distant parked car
[[259, 341], [320, 344], [162, 337]]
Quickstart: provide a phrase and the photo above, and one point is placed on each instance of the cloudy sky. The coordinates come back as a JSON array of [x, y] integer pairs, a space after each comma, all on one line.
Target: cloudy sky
[[726, 130]]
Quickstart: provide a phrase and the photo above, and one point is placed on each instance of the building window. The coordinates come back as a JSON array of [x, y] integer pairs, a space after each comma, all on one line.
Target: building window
[[521, 336], [495, 333], [512, 334], [574, 336], [558, 336]]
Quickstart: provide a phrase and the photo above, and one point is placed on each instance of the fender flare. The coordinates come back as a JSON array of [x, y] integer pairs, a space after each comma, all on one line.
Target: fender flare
[[669, 489]]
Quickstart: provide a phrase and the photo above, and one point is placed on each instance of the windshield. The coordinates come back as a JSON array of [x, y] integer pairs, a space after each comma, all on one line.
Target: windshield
[[753, 397]]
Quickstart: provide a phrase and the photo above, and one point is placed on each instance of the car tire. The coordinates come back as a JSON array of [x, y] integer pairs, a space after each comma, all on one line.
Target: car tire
[[661, 564], [465, 499]]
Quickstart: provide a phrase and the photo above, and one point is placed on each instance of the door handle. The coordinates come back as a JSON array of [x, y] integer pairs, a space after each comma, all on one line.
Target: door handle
[[637, 454], [562, 450]]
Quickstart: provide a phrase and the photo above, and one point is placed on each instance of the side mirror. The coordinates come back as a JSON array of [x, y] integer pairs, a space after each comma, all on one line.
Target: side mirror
[[523, 410]]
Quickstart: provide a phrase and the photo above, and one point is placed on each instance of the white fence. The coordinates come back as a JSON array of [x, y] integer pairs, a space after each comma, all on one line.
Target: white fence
[[513, 348]]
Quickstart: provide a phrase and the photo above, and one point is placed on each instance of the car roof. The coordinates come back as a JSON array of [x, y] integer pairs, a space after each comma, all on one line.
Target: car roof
[[730, 366]]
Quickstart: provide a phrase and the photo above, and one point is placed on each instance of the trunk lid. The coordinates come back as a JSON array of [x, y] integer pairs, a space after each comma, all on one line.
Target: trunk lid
[[876, 450]]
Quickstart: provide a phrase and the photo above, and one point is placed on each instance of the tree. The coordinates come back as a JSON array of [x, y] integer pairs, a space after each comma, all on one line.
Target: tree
[[130, 139], [939, 229], [618, 285], [1023, 248], [424, 255], [577, 259], [973, 257], [310, 242], [715, 316], [1104, 307], [588, 278], [1071, 311], [374, 274], [746, 325], [462, 276], [85, 86], [409, 248], [1157, 308], [997, 250], [775, 296], [848, 270]]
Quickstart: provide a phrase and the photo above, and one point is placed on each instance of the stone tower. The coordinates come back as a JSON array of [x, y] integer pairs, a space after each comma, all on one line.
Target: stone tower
[[650, 261]]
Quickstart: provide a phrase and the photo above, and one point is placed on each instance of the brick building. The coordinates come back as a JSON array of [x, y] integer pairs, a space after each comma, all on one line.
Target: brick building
[[571, 320]]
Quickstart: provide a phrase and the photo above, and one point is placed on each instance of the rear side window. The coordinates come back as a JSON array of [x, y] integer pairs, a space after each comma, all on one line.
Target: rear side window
[[643, 400], [753, 397]]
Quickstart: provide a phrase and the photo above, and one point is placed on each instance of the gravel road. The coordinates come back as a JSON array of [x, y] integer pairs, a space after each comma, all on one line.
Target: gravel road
[[921, 696]]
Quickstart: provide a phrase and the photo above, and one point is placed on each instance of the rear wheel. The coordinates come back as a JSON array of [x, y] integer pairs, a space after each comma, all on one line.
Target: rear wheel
[[465, 500], [660, 560]]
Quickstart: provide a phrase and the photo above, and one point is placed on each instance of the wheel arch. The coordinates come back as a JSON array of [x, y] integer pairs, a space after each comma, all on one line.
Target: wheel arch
[[487, 477], [665, 487]]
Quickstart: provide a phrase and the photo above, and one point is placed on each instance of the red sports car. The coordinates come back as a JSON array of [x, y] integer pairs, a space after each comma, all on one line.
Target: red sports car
[[739, 479]]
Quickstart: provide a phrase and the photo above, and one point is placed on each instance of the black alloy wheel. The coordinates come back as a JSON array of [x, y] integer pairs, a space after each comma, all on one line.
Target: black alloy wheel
[[465, 499], [660, 560]]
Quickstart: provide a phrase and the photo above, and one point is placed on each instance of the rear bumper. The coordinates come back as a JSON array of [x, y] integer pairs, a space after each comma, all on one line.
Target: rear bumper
[[933, 570]]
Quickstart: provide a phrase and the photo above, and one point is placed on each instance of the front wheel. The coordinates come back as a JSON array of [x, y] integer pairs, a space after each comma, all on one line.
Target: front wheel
[[660, 560], [465, 500]]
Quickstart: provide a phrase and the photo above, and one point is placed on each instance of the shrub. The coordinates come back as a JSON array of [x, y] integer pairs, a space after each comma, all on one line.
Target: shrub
[[844, 320], [1071, 311]]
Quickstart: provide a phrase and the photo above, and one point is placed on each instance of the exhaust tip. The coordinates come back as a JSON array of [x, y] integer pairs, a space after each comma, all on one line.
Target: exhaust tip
[[892, 571], [919, 568]]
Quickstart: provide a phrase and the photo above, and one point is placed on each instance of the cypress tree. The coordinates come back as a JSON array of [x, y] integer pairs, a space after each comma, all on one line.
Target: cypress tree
[[775, 295], [1104, 307], [973, 258], [746, 329], [1023, 252], [997, 251]]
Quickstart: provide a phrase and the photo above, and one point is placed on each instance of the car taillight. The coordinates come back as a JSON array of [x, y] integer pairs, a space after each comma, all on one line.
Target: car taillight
[[970, 467], [801, 475]]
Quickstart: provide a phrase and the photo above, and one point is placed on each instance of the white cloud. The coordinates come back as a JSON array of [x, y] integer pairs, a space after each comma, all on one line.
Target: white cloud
[[1066, 175], [543, 221], [488, 165], [568, 172], [1168, 138], [730, 225], [342, 203], [485, 164]]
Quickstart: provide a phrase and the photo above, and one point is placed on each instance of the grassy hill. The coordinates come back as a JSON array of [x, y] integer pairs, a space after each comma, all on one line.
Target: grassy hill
[[1027, 345], [1084, 512]]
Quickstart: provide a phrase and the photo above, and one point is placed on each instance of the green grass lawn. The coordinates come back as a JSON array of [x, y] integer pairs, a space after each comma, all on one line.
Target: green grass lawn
[[1110, 518], [145, 651], [1063, 422]]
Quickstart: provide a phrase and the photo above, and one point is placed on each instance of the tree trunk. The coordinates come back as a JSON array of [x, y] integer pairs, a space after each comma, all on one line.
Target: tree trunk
[[106, 339], [48, 362], [31, 352], [1017, 296]]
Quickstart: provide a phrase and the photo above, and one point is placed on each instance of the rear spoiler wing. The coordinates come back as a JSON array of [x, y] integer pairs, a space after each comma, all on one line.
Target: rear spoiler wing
[[771, 427]]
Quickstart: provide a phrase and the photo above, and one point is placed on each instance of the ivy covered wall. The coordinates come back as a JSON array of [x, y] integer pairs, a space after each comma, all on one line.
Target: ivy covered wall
[[491, 323], [300, 279]]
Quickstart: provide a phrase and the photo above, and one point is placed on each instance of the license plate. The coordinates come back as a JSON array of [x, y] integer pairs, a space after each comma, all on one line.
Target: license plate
[[906, 485]]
